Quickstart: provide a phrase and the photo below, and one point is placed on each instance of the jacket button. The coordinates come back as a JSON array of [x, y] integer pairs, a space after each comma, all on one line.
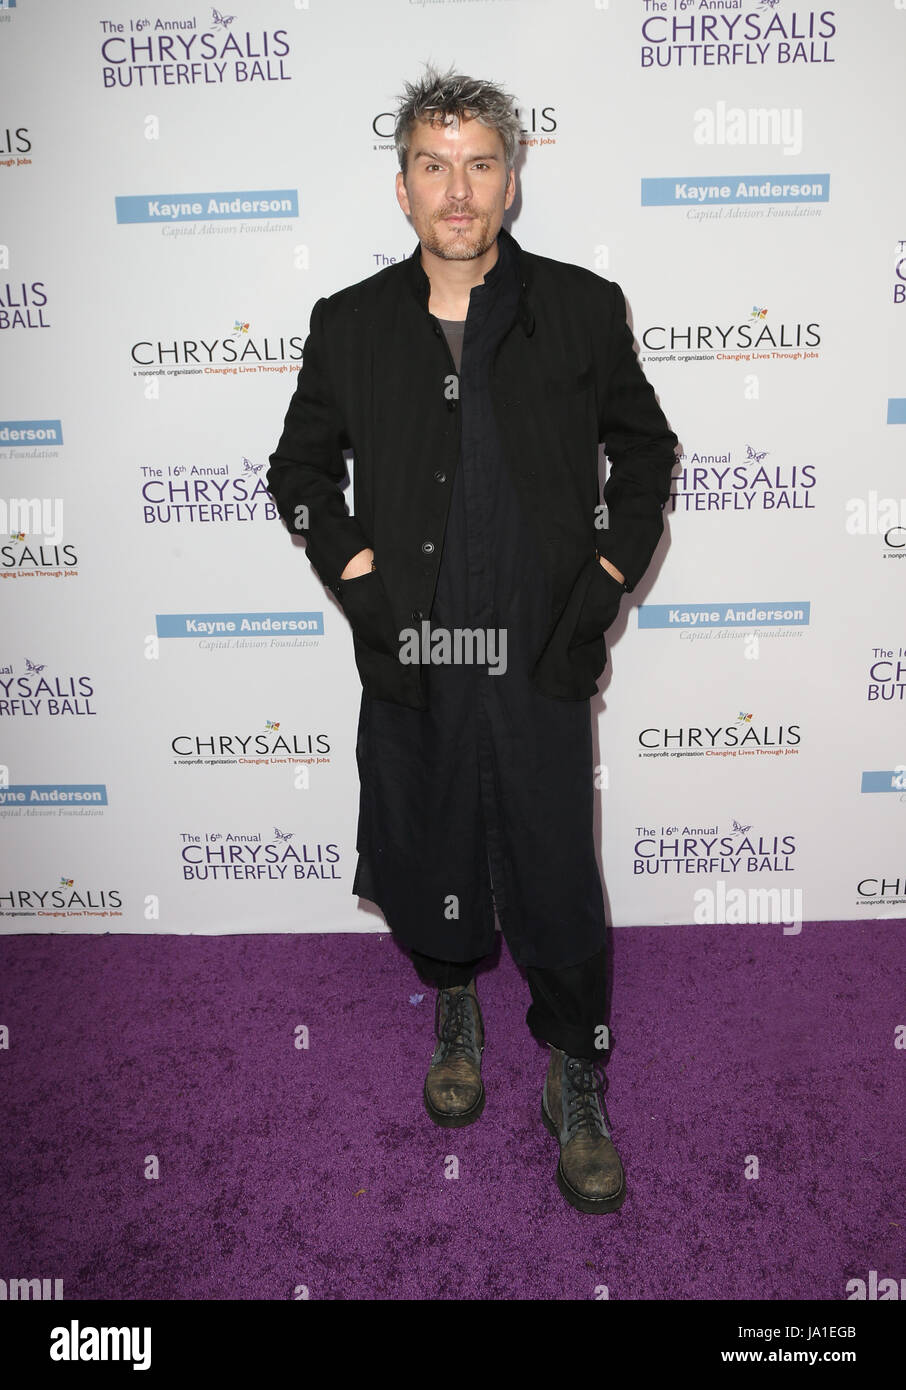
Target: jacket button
[[451, 405], [427, 547], [416, 615], [440, 477]]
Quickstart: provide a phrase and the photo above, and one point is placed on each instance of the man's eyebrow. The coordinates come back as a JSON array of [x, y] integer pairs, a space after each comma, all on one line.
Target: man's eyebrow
[[430, 154]]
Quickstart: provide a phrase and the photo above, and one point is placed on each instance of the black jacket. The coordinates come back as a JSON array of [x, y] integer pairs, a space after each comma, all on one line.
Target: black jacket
[[377, 378]]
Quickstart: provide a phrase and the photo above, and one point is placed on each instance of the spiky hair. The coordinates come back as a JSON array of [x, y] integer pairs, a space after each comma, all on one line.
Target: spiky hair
[[452, 94]]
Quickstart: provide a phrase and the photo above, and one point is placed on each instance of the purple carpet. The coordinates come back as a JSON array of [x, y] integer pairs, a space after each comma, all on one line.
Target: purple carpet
[[283, 1167]]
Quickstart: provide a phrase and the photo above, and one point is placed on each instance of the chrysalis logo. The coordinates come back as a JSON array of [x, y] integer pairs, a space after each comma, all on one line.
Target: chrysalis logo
[[755, 333]]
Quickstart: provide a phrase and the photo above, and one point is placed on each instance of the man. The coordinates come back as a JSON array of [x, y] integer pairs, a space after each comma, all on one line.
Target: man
[[473, 383]]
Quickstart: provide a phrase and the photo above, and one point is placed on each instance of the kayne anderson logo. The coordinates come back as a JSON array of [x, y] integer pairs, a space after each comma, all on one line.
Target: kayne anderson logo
[[714, 482], [242, 630], [750, 341], [80, 1343], [733, 615], [20, 438], [707, 196], [53, 799], [887, 780], [167, 209], [677, 37]]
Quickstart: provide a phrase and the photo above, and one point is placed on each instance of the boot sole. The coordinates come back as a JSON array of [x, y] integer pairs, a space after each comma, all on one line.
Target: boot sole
[[454, 1121], [591, 1205]]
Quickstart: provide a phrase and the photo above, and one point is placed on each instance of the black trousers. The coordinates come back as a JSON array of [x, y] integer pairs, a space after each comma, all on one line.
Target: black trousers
[[567, 1009]]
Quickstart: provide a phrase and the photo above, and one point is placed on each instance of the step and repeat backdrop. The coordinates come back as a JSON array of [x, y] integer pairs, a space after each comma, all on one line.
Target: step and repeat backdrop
[[180, 184]]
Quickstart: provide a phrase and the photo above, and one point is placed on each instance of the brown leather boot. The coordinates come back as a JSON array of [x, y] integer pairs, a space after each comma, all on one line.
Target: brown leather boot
[[589, 1174], [454, 1092]]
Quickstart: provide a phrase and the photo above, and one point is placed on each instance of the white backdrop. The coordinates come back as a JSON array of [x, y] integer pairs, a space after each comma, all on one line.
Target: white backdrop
[[735, 168]]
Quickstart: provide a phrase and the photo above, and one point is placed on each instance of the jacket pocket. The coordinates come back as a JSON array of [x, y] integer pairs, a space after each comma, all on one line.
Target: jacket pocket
[[575, 653], [600, 606], [367, 607]]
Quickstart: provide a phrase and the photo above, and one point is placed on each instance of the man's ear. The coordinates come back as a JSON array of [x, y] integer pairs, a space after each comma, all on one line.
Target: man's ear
[[402, 197]]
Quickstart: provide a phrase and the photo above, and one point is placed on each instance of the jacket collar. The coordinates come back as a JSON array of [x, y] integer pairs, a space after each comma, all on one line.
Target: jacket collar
[[421, 285]]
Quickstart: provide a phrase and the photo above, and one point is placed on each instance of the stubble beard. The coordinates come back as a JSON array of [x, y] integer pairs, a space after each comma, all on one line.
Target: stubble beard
[[463, 247]]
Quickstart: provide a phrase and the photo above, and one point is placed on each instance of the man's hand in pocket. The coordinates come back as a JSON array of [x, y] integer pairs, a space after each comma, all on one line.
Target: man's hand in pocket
[[359, 564]]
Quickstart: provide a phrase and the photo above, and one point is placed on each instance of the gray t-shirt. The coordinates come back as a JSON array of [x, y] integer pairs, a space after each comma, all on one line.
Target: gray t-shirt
[[454, 331]]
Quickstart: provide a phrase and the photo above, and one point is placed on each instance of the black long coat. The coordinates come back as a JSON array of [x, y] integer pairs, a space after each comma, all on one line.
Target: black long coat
[[483, 802], [376, 377]]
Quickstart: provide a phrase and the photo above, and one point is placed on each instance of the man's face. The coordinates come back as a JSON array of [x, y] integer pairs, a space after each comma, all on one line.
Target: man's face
[[456, 188]]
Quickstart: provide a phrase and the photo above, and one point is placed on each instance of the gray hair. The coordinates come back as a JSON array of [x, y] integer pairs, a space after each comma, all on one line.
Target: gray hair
[[453, 94]]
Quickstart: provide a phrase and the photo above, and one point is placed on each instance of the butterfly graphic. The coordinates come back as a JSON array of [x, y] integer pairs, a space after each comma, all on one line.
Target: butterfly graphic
[[283, 834], [30, 666], [752, 457], [768, 4], [743, 718], [17, 536], [222, 20], [740, 829], [272, 725], [416, 998], [249, 467], [244, 328], [758, 313], [66, 882]]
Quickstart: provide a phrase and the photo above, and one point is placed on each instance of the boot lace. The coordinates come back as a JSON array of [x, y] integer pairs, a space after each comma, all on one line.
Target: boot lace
[[456, 1035], [583, 1104]]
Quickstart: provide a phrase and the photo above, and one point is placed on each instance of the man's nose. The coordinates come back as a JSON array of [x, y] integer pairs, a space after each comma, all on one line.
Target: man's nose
[[458, 185]]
